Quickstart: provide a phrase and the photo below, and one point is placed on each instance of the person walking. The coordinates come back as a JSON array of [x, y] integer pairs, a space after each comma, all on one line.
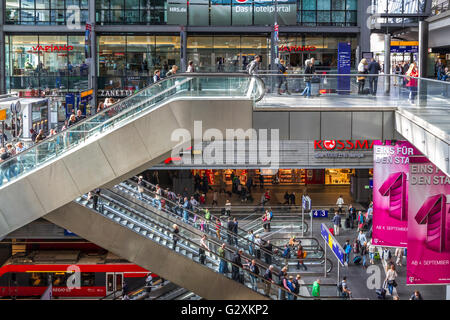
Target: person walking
[[253, 67], [309, 70], [281, 278], [399, 256], [202, 249], [268, 276], [296, 283], [361, 78], [316, 288], [282, 71], [391, 275], [236, 267], [258, 244], [364, 252], [347, 251], [413, 71], [374, 69], [345, 291], [268, 252], [251, 240], [254, 272], [339, 203], [416, 296], [372, 250], [223, 264], [351, 215], [337, 223], [228, 208], [362, 238], [175, 233], [301, 255]]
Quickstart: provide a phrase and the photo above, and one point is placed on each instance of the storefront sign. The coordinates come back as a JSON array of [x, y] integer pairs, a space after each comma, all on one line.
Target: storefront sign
[[332, 243], [297, 48], [390, 194], [343, 144], [3, 115], [86, 93], [52, 48], [114, 93], [428, 224]]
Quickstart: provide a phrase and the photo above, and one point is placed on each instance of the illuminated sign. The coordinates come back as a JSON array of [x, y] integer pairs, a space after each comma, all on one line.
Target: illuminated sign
[[297, 48], [342, 145], [86, 93], [52, 48]]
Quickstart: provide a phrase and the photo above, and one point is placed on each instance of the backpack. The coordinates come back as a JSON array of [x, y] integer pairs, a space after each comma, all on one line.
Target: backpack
[[270, 215], [207, 215], [340, 287], [387, 254], [287, 253]]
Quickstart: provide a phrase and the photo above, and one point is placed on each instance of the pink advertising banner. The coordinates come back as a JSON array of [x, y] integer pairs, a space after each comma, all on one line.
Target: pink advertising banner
[[428, 224], [390, 192]]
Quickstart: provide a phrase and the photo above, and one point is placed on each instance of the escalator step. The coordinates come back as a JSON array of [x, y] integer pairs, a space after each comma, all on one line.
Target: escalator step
[[124, 222], [137, 229]]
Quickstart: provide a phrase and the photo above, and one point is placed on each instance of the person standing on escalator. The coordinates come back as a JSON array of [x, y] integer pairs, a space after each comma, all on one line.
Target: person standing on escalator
[[236, 267], [202, 249], [175, 233], [140, 187]]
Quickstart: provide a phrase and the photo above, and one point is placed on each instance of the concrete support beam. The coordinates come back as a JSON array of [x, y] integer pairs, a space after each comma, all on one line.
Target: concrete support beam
[[364, 36], [387, 62]]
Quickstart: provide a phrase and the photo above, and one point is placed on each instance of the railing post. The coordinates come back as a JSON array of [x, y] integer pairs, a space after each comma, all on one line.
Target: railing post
[[325, 258]]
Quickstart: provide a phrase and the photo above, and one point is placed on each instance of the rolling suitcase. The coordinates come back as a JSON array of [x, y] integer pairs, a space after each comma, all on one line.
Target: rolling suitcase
[[381, 293], [357, 260]]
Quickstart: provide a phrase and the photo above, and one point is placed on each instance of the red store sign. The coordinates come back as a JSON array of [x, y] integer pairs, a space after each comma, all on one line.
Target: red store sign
[[52, 48], [343, 145], [297, 48]]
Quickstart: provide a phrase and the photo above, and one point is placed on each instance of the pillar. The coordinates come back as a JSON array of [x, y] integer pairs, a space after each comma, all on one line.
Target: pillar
[[183, 50], [2, 50], [364, 36], [422, 63], [387, 62], [93, 60]]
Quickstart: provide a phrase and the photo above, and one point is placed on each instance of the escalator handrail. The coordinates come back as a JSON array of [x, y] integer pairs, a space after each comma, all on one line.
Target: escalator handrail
[[212, 238], [245, 270], [122, 102]]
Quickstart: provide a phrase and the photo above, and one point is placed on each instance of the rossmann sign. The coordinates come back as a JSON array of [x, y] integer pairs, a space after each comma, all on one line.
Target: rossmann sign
[[297, 48], [330, 145]]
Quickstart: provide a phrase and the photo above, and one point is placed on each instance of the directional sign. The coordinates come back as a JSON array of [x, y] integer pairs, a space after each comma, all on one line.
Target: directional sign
[[320, 213], [332, 243]]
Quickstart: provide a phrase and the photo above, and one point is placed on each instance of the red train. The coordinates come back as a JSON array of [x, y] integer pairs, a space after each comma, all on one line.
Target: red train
[[87, 278]]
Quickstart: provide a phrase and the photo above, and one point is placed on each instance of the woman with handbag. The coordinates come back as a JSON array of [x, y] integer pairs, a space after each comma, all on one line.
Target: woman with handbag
[[361, 80], [391, 275], [412, 73]]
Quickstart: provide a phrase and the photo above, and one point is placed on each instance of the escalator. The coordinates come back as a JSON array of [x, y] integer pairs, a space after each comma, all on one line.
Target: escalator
[[120, 141], [127, 192], [145, 238]]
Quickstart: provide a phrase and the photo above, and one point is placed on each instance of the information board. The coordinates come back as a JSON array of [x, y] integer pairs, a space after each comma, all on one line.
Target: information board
[[332, 243], [344, 64]]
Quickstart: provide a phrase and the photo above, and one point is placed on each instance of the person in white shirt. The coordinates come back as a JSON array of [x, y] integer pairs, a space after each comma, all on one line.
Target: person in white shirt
[[399, 255], [391, 275], [339, 203]]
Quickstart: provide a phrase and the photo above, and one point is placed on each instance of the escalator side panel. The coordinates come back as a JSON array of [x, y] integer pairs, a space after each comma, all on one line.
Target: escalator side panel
[[148, 254], [138, 143]]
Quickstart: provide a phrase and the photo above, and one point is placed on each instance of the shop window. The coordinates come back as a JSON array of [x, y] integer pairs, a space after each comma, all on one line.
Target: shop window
[[309, 4], [323, 5], [323, 17], [352, 5], [338, 4], [338, 17], [309, 17]]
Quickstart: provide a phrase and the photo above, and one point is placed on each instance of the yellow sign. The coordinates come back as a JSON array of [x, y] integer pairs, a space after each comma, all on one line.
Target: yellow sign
[[3, 114], [86, 93], [404, 43], [330, 242]]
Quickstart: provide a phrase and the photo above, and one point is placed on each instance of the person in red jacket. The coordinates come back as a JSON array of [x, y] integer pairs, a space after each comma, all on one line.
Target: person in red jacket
[[413, 71]]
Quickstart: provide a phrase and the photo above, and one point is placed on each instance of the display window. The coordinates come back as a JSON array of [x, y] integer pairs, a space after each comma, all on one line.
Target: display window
[[338, 176]]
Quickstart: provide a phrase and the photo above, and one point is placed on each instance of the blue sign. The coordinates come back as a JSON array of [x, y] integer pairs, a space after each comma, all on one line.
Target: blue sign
[[306, 202], [70, 104], [344, 64], [320, 213], [332, 243], [69, 233], [404, 49]]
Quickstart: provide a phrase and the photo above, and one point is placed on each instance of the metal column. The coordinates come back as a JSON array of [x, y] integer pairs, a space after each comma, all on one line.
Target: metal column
[[387, 63], [422, 63], [364, 35], [183, 51], [3, 62], [325, 258], [93, 60]]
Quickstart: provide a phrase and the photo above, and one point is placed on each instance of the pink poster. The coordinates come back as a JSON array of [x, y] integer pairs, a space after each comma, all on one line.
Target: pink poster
[[428, 224], [390, 192]]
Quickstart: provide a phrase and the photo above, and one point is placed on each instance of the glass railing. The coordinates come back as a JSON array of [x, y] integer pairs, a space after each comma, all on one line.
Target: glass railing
[[353, 90], [179, 86], [159, 229], [441, 7]]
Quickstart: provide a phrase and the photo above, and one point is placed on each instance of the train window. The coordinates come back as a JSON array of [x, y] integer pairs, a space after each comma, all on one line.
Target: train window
[[39, 279], [59, 279], [87, 279]]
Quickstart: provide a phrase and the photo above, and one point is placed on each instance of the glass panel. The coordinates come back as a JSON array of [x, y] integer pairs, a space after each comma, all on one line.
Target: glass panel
[[111, 55], [323, 5], [309, 5], [132, 4], [352, 5], [338, 4]]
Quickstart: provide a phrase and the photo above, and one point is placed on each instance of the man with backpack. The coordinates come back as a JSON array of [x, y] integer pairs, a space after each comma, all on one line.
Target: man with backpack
[[286, 254], [252, 67], [347, 250], [343, 289]]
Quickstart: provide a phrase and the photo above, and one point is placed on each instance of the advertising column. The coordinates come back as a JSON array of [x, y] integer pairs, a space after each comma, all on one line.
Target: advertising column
[[390, 193], [344, 63], [428, 224]]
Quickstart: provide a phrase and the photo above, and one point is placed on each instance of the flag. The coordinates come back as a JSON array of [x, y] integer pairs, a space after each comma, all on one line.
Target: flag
[[48, 293]]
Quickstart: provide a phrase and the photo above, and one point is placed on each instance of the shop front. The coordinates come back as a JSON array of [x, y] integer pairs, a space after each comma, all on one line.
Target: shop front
[[126, 63], [48, 66]]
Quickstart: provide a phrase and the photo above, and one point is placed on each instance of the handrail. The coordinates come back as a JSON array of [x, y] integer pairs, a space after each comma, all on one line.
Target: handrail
[[246, 271], [212, 216], [123, 103]]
